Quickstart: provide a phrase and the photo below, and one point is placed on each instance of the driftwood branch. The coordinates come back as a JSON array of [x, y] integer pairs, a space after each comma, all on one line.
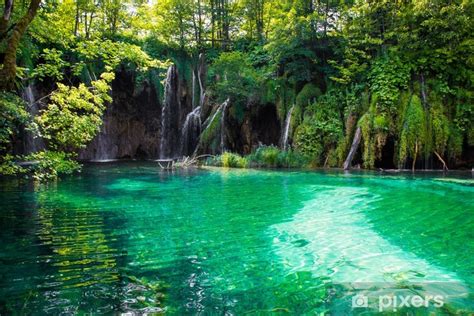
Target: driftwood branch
[[354, 147], [445, 166]]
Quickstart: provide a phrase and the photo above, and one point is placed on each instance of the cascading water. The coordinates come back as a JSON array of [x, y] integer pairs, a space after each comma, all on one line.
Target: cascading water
[[223, 109], [170, 116], [32, 143], [103, 153], [209, 122], [191, 131], [286, 130], [201, 74]]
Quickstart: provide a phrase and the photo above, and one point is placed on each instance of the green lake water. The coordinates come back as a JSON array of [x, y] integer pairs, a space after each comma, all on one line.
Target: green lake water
[[130, 238]]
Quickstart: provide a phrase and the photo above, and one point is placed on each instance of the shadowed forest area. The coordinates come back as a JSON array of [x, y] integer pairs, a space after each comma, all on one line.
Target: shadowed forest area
[[287, 83]]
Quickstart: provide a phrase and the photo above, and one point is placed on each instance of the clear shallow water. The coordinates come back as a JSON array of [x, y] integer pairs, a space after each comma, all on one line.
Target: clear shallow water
[[126, 237]]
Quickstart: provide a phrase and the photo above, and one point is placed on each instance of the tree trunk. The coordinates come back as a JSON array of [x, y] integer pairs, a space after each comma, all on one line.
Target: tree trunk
[[7, 11], [414, 157], [8, 72], [445, 167], [354, 147], [76, 20], [213, 19]]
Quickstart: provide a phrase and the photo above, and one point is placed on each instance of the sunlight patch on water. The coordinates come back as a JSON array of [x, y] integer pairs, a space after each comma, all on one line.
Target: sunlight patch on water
[[332, 237]]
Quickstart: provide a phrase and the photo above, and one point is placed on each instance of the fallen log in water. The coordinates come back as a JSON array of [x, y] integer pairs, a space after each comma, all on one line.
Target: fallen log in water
[[165, 164]]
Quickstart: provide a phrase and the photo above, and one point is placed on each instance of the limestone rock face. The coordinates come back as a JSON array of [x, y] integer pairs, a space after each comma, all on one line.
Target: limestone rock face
[[131, 128], [140, 124]]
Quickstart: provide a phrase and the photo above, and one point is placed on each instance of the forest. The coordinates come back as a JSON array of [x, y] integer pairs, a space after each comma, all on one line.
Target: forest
[[254, 83]]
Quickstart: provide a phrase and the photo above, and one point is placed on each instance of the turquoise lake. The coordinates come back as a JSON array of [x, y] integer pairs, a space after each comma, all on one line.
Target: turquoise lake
[[127, 237]]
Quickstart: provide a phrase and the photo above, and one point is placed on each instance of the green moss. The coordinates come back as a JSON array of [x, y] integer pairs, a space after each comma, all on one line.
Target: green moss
[[307, 95], [439, 128], [366, 123], [413, 133], [209, 137], [455, 141]]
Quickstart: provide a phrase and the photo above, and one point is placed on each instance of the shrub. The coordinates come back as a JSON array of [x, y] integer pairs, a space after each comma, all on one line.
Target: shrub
[[45, 165], [267, 155], [291, 159], [262, 157], [230, 160], [51, 164], [9, 167], [74, 115], [12, 115], [273, 157]]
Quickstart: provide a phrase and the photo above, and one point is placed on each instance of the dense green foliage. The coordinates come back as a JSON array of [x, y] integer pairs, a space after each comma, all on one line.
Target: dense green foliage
[[12, 115], [74, 114], [401, 71], [262, 157]]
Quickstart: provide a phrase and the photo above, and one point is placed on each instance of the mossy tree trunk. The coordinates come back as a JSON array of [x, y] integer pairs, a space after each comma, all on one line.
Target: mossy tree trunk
[[7, 12], [8, 71]]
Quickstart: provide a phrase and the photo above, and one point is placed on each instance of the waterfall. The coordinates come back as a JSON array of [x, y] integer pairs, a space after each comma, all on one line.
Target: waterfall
[[208, 123], [193, 89], [190, 132], [102, 153], [170, 116], [31, 143], [224, 107], [286, 130], [201, 74]]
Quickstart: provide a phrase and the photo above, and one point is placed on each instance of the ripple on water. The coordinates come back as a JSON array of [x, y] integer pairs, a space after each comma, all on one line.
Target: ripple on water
[[126, 238]]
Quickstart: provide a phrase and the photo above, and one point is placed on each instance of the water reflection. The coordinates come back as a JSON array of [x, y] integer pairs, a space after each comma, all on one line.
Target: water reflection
[[130, 238]]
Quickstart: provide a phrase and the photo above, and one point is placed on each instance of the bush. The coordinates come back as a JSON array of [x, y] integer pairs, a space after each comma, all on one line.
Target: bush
[[9, 167], [263, 157], [273, 157], [44, 165], [266, 156], [12, 115], [291, 159], [230, 160], [74, 114]]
